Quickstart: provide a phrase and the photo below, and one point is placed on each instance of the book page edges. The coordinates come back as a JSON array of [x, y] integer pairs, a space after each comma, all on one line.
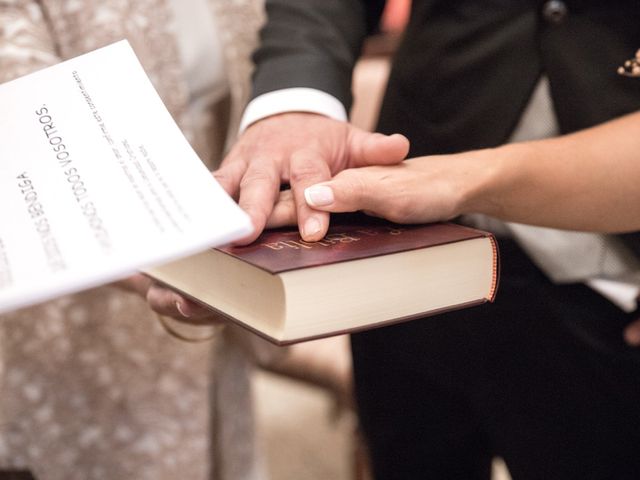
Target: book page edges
[[371, 291], [211, 278], [281, 341], [280, 336], [496, 269]]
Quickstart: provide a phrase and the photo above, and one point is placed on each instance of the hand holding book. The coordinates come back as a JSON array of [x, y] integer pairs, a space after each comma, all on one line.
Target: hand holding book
[[167, 302]]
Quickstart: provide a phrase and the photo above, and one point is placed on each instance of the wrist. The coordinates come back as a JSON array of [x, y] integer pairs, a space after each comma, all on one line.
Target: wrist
[[292, 100], [483, 182], [498, 174]]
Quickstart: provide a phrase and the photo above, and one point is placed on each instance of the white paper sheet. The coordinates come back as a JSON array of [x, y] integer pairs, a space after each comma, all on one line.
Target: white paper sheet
[[97, 181]]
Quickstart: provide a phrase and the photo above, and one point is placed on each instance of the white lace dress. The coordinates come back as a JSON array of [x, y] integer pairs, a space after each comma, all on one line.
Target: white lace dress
[[91, 387]]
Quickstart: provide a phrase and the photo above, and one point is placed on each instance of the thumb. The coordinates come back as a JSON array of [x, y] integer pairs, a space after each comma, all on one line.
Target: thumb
[[366, 148], [349, 191]]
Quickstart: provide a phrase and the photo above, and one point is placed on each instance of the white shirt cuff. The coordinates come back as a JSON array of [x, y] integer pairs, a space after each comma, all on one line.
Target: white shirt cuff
[[307, 100], [622, 294]]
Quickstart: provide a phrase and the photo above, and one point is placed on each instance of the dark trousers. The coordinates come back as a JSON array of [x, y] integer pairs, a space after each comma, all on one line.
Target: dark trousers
[[541, 377]]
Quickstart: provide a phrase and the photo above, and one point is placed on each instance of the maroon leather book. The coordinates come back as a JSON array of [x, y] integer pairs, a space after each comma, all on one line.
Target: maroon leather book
[[364, 274], [277, 251]]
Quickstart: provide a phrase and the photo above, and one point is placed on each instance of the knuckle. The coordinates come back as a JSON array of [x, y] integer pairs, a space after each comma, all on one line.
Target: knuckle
[[303, 172], [234, 160], [256, 210], [222, 176], [307, 165], [258, 176]]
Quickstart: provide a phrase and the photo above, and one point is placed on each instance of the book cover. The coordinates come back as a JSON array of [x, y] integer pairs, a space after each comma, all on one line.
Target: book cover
[[350, 237]]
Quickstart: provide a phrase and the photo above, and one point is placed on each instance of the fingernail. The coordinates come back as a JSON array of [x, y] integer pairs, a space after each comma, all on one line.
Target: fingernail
[[311, 227], [319, 195], [181, 310]]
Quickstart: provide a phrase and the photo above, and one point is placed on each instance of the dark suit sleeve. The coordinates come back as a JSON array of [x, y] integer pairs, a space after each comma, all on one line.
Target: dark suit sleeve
[[314, 44]]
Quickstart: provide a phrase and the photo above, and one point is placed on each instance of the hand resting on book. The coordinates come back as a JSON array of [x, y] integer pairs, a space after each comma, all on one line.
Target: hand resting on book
[[573, 182], [313, 149]]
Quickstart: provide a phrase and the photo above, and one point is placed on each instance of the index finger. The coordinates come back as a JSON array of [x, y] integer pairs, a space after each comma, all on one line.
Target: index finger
[[308, 167], [231, 170], [259, 190]]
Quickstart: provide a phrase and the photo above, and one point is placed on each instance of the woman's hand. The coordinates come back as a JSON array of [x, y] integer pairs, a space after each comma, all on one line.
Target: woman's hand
[[419, 190], [405, 193]]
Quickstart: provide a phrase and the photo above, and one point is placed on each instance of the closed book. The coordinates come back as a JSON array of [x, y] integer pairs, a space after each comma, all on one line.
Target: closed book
[[364, 274]]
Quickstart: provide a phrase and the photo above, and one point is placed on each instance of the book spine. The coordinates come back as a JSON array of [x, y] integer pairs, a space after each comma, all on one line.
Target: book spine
[[496, 269]]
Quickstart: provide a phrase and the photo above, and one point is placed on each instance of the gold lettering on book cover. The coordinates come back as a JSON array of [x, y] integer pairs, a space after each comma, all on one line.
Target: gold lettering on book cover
[[331, 239]]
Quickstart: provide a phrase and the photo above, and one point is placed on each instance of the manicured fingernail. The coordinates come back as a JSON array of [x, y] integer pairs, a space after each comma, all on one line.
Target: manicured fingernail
[[318, 195], [311, 227], [181, 310]]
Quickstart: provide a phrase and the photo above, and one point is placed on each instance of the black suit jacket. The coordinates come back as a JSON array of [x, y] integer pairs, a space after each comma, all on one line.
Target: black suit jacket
[[466, 68]]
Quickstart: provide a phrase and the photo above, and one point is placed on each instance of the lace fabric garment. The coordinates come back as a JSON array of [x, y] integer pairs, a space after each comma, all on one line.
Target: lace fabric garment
[[92, 387]]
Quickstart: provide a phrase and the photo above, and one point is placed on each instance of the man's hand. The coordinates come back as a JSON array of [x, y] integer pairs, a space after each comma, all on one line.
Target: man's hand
[[299, 149]]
